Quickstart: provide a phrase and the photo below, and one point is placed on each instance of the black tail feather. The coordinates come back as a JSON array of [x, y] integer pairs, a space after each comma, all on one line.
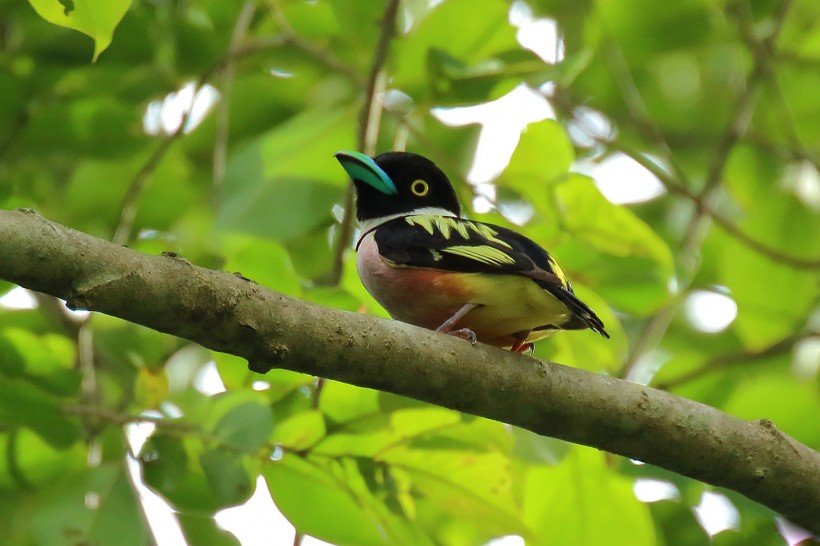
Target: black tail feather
[[582, 315]]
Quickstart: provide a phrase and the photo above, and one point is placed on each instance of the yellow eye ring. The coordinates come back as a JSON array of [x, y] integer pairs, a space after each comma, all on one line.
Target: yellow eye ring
[[420, 188]]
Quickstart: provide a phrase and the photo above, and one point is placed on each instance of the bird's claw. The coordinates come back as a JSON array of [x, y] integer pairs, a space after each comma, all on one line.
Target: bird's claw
[[465, 333]]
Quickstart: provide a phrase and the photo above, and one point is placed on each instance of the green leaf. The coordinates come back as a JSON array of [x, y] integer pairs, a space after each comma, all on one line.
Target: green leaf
[[587, 214], [300, 431], [284, 382], [341, 402], [676, 524], [486, 79], [637, 266], [780, 399], [263, 261], [96, 19], [583, 502], [29, 460], [67, 516], [12, 361], [322, 19], [475, 486], [234, 372], [47, 360], [376, 435], [472, 434], [359, 19], [244, 426], [227, 476], [170, 466], [284, 184], [320, 504], [92, 127], [483, 31], [204, 530], [533, 448], [543, 155], [235, 375], [773, 298], [23, 404], [332, 296]]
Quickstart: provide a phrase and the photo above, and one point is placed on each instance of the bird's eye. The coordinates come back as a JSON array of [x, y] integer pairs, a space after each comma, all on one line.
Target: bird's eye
[[420, 188]]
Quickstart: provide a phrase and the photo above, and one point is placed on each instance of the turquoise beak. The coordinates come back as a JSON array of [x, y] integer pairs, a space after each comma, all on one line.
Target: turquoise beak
[[362, 168]]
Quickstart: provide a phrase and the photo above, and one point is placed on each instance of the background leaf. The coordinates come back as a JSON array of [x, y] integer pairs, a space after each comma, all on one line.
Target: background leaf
[[95, 20]]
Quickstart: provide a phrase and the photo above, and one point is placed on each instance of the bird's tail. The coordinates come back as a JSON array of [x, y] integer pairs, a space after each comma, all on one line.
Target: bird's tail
[[582, 315]]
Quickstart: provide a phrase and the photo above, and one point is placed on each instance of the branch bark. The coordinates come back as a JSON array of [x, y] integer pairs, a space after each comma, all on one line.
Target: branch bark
[[228, 313]]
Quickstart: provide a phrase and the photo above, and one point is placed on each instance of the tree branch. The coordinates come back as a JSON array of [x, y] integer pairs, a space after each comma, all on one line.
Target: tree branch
[[227, 313]]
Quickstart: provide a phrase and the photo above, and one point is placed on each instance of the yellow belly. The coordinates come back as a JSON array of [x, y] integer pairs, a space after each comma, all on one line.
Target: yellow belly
[[510, 305]]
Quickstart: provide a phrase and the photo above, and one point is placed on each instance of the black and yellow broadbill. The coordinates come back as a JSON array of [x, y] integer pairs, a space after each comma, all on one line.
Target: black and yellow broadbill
[[428, 266]]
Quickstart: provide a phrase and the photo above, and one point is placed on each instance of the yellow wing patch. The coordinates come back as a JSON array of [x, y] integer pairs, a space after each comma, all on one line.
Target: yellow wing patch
[[558, 271], [482, 253], [426, 222], [447, 225]]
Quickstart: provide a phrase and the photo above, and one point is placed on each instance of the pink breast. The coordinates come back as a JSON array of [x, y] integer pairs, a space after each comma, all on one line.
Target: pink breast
[[424, 297]]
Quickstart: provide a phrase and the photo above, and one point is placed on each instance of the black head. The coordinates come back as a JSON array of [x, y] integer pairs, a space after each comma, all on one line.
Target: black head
[[397, 182]]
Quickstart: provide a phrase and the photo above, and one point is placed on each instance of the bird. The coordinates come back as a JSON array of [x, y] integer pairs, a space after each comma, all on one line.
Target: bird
[[430, 267]]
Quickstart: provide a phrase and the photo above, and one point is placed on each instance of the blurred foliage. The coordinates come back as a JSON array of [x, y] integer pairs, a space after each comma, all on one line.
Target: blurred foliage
[[718, 98]]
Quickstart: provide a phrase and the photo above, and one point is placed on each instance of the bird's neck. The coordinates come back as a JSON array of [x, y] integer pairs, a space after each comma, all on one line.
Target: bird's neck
[[369, 224]]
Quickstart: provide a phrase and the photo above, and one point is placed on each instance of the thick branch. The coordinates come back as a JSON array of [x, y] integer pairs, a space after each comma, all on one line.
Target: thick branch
[[227, 313]]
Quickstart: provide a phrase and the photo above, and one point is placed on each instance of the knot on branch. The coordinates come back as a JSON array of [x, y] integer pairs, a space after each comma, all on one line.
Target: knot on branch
[[78, 302], [274, 354], [239, 275], [177, 257]]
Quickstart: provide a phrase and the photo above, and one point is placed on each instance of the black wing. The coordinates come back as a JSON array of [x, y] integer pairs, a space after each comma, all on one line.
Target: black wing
[[456, 244]]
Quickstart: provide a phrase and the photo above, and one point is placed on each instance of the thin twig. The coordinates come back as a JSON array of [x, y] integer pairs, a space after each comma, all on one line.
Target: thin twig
[[128, 211], [763, 51], [111, 416], [85, 361], [88, 385], [674, 187], [770, 146], [317, 53], [223, 109], [742, 357], [367, 129], [168, 426], [638, 111]]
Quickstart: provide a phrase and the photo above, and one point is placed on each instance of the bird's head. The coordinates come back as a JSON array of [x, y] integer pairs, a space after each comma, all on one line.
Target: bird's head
[[396, 183]]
